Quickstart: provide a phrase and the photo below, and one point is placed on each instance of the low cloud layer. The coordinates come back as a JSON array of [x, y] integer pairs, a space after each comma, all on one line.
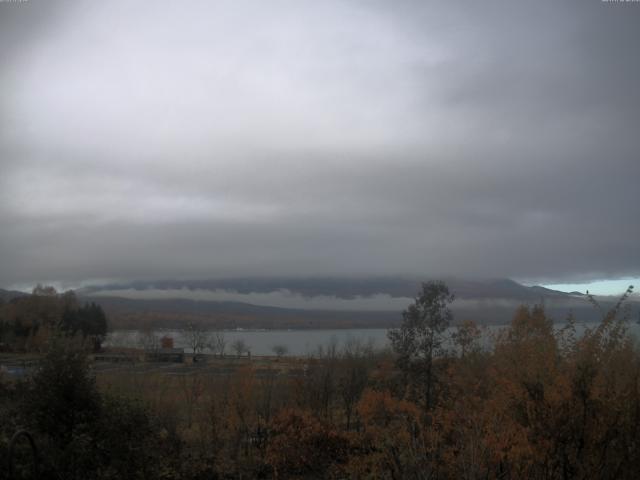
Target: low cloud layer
[[206, 139]]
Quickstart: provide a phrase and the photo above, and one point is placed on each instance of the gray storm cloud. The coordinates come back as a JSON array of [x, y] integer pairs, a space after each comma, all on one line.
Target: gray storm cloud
[[175, 139]]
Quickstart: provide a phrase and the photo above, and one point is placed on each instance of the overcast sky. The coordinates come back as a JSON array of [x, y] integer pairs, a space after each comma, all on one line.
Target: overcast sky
[[160, 139]]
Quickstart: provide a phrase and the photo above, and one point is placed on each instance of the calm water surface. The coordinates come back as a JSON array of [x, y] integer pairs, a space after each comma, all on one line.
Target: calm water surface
[[301, 342]]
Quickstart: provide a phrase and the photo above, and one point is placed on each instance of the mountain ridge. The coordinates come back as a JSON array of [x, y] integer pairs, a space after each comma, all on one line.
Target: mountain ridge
[[486, 301]]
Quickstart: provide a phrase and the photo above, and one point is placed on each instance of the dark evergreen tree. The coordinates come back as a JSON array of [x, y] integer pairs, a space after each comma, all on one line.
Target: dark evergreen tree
[[420, 337]]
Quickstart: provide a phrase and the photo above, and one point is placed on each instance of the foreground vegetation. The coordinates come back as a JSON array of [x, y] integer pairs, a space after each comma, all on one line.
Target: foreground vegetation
[[540, 403]]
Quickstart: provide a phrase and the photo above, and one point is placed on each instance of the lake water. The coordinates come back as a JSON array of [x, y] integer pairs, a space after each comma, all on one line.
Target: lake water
[[261, 342], [300, 342]]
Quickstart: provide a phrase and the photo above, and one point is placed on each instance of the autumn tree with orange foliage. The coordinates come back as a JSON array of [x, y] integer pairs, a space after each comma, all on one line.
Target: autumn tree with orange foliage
[[302, 446], [545, 403]]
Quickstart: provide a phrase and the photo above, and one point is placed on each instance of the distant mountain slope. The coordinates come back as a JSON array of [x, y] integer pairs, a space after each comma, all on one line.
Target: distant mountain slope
[[491, 301], [346, 288], [7, 295], [173, 313], [488, 301], [503, 288]]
